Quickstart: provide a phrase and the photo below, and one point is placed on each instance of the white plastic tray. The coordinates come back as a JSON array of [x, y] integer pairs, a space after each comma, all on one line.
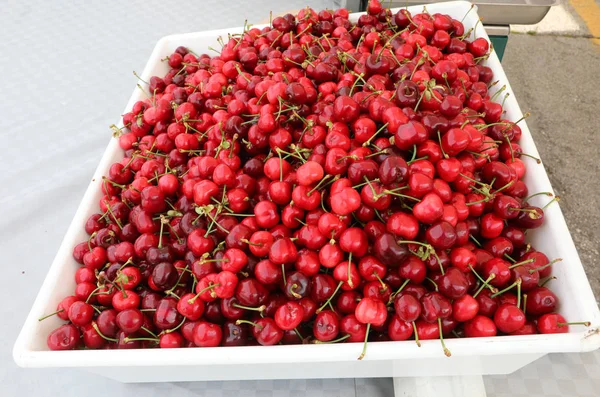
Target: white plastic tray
[[478, 356]]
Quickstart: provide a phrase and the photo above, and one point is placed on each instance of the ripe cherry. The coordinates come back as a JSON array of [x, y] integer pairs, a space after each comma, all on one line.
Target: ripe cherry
[[480, 326], [289, 316], [509, 318], [65, 337]]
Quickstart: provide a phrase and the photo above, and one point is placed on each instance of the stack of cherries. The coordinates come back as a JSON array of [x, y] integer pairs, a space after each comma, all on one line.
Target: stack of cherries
[[318, 181]]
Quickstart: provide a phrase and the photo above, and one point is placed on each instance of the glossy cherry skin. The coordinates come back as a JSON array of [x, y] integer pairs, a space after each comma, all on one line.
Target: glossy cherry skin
[[509, 318], [234, 334], [371, 311], [465, 308], [349, 325], [453, 283], [441, 235], [540, 301], [388, 251], [65, 337], [552, 323], [207, 334], [435, 306], [266, 332], [407, 306], [399, 329], [480, 326], [289, 316], [326, 326], [166, 315]]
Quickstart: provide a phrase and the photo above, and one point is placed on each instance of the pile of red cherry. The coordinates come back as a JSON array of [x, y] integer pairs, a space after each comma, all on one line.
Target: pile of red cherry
[[318, 181]]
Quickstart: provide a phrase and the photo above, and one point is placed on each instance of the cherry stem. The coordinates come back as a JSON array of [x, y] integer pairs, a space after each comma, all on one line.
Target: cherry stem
[[485, 284], [475, 240], [537, 194], [525, 304], [50, 315], [256, 309], [92, 294], [584, 323], [414, 154], [521, 263], [401, 195], [525, 115], [368, 142], [294, 293], [430, 250], [439, 134], [364, 183], [354, 84], [416, 334], [162, 224], [547, 280], [127, 339], [238, 322], [473, 180], [191, 300], [519, 294], [383, 286], [467, 13], [382, 151], [139, 78], [319, 310], [319, 184], [364, 350], [422, 95], [280, 166], [556, 198], [372, 188], [516, 283], [537, 160], [404, 284], [537, 269], [283, 273], [498, 92], [446, 351], [150, 332], [350, 283], [432, 282], [102, 335], [343, 338]]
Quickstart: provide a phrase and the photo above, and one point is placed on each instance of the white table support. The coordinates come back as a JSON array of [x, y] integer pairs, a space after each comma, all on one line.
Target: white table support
[[440, 386]]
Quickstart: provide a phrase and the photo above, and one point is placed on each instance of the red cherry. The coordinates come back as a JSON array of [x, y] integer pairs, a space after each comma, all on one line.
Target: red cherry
[[464, 308], [371, 311], [480, 326], [283, 251], [552, 323], [407, 306], [289, 315], [326, 326], [345, 202], [399, 329], [207, 334], [429, 209], [65, 337], [509, 318]]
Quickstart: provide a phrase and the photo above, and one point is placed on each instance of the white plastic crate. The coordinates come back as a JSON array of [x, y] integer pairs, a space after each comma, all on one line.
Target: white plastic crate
[[471, 356]]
